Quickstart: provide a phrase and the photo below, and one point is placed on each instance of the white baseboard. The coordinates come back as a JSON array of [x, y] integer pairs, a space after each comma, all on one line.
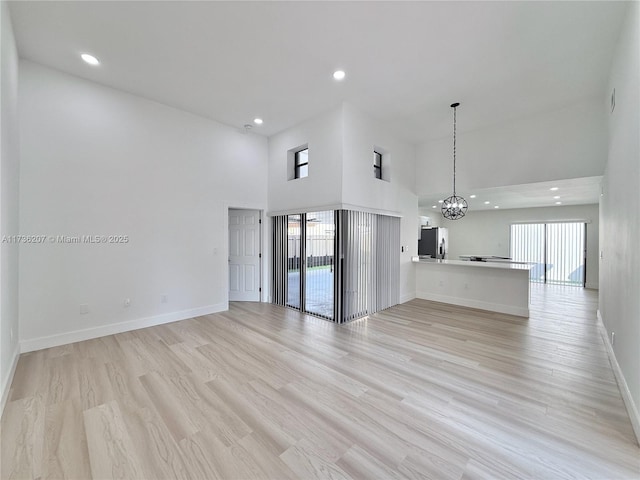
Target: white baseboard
[[632, 409], [39, 343], [466, 302], [6, 382], [407, 297]]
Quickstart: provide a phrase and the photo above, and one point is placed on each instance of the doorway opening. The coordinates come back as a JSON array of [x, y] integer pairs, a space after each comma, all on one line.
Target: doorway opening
[[245, 257], [557, 251]]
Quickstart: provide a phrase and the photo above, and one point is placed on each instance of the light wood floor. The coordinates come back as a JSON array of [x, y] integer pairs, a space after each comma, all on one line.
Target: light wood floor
[[422, 390]]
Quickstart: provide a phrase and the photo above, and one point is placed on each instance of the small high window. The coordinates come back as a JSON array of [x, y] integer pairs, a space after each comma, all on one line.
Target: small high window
[[301, 164], [377, 165]]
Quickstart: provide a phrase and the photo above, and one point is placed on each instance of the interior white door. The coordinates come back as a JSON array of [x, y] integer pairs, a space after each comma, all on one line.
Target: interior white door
[[244, 255]]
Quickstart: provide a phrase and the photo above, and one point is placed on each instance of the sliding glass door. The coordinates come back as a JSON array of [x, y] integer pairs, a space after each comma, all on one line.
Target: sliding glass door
[[319, 268], [557, 251], [340, 265], [310, 262]]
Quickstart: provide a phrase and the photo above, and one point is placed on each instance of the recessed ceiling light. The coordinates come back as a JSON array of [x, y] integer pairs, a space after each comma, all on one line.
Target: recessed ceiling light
[[556, 197], [440, 201], [496, 206], [339, 75], [257, 121], [434, 206], [90, 59], [487, 202], [472, 196], [558, 203], [553, 189]]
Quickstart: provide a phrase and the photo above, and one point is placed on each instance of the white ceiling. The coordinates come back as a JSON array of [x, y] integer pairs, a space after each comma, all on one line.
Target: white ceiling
[[405, 61], [575, 191]]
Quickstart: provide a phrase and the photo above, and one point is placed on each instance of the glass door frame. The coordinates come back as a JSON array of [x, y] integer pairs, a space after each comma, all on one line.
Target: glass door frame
[[300, 298], [302, 269]]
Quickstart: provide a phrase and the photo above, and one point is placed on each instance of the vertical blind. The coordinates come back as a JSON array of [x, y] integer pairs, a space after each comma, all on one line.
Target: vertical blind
[[279, 256], [348, 263], [357, 264], [387, 262], [556, 251], [527, 245], [566, 253]]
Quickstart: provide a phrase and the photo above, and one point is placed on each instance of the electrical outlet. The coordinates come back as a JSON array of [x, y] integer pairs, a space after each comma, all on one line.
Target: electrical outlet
[[164, 298], [613, 338], [11, 333], [127, 302], [441, 283], [84, 308]]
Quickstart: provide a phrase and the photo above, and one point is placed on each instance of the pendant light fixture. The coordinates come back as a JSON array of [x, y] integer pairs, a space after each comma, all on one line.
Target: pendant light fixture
[[454, 207]]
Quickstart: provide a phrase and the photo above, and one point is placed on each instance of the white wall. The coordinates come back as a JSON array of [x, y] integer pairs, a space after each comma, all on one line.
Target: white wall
[[361, 190], [566, 143], [435, 216], [97, 161], [487, 232], [620, 221], [323, 186], [9, 182], [341, 146]]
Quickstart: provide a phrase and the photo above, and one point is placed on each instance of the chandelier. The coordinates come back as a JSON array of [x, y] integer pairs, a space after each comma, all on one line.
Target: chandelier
[[454, 207]]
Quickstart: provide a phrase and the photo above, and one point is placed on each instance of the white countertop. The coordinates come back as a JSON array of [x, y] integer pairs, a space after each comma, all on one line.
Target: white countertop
[[463, 263]]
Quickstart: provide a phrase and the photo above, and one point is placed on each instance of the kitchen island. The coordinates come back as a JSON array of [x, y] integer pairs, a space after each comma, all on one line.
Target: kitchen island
[[495, 286]]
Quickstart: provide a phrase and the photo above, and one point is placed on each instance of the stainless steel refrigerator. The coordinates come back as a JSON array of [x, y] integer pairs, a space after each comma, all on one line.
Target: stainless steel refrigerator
[[433, 242]]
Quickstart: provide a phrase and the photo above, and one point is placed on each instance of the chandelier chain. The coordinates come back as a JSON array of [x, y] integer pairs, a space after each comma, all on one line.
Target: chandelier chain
[[454, 150], [454, 207]]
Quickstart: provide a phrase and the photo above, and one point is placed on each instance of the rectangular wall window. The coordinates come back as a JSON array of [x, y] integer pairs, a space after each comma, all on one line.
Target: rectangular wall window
[[301, 164], [557, 251], [377, 165]]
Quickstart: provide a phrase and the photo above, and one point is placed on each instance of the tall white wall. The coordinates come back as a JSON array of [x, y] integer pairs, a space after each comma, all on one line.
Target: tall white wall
[[360, 188], [566, 143], [619, 207], [9, 182], [323, 186], [487, 232], [341, 144], [97, 161]]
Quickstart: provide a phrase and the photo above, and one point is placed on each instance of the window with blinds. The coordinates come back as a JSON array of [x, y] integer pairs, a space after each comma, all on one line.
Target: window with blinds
[[557, 251]]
